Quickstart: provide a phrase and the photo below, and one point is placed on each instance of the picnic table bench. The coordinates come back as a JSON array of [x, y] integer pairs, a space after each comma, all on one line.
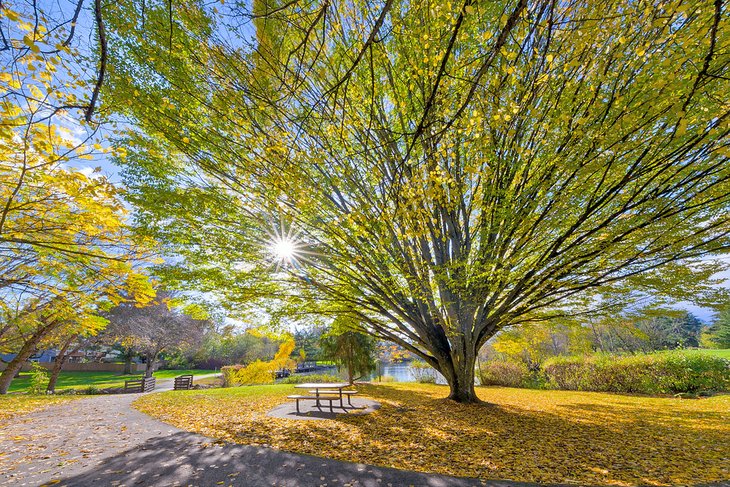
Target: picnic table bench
[[183, 383], [339, 393], [324, 392]]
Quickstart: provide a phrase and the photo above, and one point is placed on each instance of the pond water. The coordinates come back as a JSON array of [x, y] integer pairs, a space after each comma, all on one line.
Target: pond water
[[401, 373], [398, 373]]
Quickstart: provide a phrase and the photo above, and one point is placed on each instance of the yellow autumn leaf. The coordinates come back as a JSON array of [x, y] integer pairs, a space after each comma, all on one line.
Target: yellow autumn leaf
[[481, 441], [11, 15], [36, 92]]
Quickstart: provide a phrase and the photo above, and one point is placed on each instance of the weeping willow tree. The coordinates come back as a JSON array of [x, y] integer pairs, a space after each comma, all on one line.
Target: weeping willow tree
[[441, 170]]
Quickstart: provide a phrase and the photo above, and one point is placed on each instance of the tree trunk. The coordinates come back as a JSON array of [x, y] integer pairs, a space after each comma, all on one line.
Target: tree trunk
[[58, 365], [128, 362], [349, 362], [14, 366], [461, 388], [150, 364], [459, 375]]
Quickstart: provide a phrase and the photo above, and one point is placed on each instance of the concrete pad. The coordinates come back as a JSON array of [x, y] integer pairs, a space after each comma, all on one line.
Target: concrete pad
[[309, 410]]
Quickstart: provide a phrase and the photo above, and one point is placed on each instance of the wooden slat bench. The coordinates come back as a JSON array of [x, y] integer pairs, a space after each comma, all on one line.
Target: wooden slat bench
[[183, 382], [139, 385], [349, 394], [329, 398]]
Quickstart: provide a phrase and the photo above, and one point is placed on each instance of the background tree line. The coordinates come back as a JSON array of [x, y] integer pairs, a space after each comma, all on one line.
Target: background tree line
[[627, 333]]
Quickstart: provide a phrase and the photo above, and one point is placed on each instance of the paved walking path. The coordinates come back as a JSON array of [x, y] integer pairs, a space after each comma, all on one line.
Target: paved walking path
[[103, 441]]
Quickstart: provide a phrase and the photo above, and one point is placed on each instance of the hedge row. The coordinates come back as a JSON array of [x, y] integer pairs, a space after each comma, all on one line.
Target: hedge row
[[660, 373], [506, 374]]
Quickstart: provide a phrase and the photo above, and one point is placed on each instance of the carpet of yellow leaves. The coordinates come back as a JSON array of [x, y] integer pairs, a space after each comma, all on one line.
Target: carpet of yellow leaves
[[521, 435], [12, 405]]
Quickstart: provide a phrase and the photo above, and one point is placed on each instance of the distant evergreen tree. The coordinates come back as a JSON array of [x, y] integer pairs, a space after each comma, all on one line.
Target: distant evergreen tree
[[350, 349], [720, 330]]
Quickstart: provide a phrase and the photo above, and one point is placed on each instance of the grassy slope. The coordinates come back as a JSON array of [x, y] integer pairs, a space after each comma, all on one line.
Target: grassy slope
[[100, 380], [525, 435], [169, 374], [717, 353]]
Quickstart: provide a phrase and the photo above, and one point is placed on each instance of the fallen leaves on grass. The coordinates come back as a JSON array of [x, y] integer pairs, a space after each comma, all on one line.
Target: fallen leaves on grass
[[521, 435], [12, 405]]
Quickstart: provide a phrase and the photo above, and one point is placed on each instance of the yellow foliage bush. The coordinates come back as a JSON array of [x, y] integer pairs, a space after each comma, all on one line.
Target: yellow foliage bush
[[282, 357], [259, 372]]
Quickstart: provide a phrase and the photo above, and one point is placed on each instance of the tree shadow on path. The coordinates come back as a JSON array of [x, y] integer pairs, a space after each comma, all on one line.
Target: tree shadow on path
[[190, 459]]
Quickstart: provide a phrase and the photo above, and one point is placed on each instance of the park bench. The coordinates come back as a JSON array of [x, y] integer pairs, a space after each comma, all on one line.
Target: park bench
[[139, 385], [330, 398], [183, 383], [349, 394]]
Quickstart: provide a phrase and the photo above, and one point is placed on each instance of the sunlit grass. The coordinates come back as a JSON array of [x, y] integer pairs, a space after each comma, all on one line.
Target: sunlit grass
[[523, 435], [99, 380], [713, 352]]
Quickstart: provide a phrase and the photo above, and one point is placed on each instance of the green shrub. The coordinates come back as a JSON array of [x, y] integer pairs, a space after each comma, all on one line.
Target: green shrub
[[507, 374], [317, 378], [659, 373], [38, 379], [426, 379]]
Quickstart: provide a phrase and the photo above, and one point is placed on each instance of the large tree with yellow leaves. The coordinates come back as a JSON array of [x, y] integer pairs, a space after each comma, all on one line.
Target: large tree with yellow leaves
[[445, 169]]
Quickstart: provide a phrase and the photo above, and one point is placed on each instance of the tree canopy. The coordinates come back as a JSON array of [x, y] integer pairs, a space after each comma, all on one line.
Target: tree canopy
[[720, 330], [443, 170], [67, 250], [154, 328]]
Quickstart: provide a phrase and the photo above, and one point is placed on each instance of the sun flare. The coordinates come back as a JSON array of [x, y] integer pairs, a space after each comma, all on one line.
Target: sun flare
[[283, 250]]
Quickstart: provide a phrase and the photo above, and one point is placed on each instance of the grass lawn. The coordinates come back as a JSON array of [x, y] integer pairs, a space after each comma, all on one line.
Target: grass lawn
[[169, 374], [100, 380], [18, 404], [708, 351], [522, 435]]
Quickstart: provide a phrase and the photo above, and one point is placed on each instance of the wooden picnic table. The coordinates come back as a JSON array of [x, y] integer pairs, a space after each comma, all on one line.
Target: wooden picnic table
[[327, 391]]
